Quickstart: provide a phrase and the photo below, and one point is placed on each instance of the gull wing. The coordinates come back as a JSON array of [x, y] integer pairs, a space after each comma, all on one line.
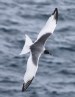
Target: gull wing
[[38, 47], [50, 25]]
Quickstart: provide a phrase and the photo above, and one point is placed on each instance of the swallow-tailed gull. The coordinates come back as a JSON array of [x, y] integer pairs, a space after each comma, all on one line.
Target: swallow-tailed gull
[[37, 48]]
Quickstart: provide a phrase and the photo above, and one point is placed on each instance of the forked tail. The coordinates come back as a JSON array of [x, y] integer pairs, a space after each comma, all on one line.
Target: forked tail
[[28, 43]]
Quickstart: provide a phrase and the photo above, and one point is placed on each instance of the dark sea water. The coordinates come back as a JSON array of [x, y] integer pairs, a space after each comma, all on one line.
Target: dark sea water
[[56, 72]]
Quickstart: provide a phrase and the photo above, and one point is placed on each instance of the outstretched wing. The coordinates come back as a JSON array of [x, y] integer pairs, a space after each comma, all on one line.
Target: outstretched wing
[[37, 47], [50, 25]]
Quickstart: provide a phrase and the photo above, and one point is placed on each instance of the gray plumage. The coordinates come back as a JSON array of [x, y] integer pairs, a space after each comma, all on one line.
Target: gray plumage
[[37, 48]]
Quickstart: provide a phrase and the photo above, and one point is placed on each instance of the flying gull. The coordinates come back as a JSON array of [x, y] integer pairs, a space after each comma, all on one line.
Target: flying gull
[[37, 48]]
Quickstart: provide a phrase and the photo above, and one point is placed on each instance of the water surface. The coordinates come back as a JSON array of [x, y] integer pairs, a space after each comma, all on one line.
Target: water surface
[[56, 73]]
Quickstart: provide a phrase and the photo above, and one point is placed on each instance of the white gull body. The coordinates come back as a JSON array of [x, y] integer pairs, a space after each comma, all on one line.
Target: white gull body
[[37, 48]]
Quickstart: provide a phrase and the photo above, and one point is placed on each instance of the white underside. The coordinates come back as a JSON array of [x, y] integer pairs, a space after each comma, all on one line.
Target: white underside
[[31, 67], [49, 27], [30, 70]]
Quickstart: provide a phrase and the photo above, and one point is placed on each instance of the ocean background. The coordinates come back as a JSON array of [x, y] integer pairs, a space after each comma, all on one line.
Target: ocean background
[[56, 73]]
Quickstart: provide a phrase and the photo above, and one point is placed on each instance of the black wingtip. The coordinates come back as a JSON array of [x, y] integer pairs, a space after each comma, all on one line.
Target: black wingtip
[[23, 88], [55, 13], [26, 85]]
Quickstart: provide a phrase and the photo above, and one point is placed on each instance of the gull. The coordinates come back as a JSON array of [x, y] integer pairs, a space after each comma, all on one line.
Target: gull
[[37, 48]]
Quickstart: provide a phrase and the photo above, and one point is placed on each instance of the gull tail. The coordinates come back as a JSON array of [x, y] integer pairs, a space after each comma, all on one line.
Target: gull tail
[[28, 43]]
